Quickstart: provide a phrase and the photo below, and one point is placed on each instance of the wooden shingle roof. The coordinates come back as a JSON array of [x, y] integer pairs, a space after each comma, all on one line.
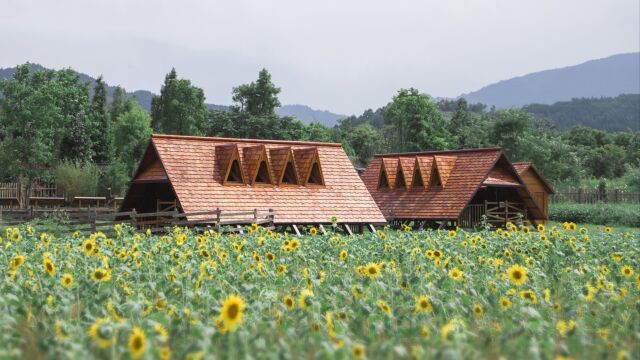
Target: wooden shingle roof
[[196, 167], [461, 172]]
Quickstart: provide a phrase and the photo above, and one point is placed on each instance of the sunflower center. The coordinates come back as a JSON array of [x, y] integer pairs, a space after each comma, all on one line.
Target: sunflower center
[[137, 342], [98, 275], [424, 304], [517, 275], [232, 311], [49, 267], [372, 270]]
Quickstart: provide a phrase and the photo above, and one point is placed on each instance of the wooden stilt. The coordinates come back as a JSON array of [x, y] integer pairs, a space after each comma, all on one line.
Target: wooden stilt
[[295, 229], [348, 229], [372, 228], [322, 229]]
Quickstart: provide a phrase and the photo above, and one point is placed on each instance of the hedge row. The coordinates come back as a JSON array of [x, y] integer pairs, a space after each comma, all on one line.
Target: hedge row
[[598, 214]]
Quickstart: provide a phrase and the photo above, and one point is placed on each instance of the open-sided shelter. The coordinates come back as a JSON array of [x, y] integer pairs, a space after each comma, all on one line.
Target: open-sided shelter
[[450, 188], [305, 183], [538, 186]]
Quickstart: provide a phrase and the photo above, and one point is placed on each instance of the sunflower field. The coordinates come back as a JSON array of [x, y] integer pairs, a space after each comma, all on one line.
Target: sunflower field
[[553, 293]]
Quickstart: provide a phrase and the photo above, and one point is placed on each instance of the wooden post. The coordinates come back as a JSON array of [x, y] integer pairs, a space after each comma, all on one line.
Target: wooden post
[[372, 228], [272, 216], [295, 229], [133, 216], [218, 215], [322, 229], [94, 215], [255, 216], [348, 229]]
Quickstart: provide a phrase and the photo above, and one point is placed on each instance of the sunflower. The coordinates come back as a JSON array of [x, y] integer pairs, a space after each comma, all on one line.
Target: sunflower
[[426, 333], [103, 333], [456, 274], [540, 228], [48, 266], [164, 353], [437, 254], [180, 239], [313, 231], [627, 271], [281, 270], [343, 255], [304, 299], [517, 275], [505, 303], [232, 312], [288, 302], [295, 243], [525, 230], [452, 234], [607, 230], [16, 262], [269, 256], [15, 235], [477, 310], [529, 295], [89, 247], [60, 332], [137, 343], [384, 307], [161, 331], [423, 304], [101, 275], [372, 270], [67, 280], [358, 351]]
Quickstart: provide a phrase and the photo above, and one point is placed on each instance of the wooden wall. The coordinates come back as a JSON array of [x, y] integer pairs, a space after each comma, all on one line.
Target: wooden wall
[[537, 190]]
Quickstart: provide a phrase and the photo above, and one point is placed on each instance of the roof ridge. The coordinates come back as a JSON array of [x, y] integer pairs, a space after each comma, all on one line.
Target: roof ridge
[[260, 141], [436, 152]]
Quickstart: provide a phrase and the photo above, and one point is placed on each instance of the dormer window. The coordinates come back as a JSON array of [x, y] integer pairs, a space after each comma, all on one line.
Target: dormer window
[[435, 178], [400, 182], [262, 177], [417, 177], [235, 174], [315, 177], [383, 182], [289, 176]]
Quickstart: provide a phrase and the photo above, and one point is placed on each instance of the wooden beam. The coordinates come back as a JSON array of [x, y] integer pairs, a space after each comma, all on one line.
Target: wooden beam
[[348, 229], [295, 229], [322, 229], [372, 228]]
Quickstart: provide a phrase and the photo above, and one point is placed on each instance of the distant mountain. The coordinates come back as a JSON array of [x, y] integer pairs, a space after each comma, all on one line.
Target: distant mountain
[[610, 77], [309, 115], [301, 112], [611, 114]]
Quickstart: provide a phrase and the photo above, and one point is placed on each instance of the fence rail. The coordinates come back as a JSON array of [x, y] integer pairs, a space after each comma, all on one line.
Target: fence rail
[[591, 197], [103, 219]]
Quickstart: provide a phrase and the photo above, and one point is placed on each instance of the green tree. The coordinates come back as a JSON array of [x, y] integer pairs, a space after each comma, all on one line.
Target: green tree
[[259, 98], [467, 129], [30, 123], [100, 122], [180, 108], [72, 98], [130, 135], [508, 129], [605, 161], [414, 123], [119, 104], [365, 141]]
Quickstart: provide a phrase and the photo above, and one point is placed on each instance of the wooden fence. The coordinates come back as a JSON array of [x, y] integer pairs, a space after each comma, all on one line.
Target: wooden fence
[[103, 219], [594, 196]]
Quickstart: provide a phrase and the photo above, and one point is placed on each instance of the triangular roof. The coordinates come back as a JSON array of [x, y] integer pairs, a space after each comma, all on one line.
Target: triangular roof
[[462, 173], [150, 169], [281, 157], [391, 169], [253, 157], [226, 155], [523, 167], [194, 175], [305, 158], [406, 168]]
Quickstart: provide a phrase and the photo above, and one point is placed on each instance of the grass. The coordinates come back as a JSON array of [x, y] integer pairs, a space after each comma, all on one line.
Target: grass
[[598, 214]]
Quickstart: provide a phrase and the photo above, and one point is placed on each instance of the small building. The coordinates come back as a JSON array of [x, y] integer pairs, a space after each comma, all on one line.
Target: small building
[[450, 188], [538, 186], [305, 183]]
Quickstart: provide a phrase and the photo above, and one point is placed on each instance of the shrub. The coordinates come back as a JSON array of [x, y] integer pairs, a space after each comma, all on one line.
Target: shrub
[[75, 179], [598, 214]]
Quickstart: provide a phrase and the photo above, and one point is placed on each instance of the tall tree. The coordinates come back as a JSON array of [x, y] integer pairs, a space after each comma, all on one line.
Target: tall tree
[[73, 100], [467, 128], [180, 107], [508, 130], [414, 123], [259, 98], [30, 122], [101, 122], [129, 136], [119, 104]]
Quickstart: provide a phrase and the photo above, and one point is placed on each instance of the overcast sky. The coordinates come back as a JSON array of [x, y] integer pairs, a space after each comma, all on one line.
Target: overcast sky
[[337, 55]]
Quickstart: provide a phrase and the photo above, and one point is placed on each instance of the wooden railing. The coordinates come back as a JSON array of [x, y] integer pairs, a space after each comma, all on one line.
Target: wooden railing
[[471, 216], [103, 219], [594, 196]]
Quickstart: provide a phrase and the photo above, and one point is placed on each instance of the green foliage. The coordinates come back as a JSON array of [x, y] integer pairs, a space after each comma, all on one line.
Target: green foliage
[[414, 123], [100, 122], [611, 114], [75, 179], [599, 214], [259, 98], [130, 135], [115, 177], [180, 108]]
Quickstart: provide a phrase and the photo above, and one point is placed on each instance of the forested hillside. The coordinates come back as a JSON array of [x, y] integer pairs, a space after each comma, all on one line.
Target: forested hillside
[[55, 126], [611, 114]]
